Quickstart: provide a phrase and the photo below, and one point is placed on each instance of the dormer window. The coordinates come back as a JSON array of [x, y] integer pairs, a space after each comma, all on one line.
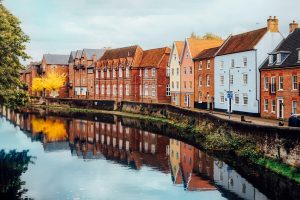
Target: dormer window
[[298, 54], [271, 61], [278, 58]]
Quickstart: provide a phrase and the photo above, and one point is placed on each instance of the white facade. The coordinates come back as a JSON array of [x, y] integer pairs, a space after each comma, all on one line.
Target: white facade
[[174, 67], [246, 77]]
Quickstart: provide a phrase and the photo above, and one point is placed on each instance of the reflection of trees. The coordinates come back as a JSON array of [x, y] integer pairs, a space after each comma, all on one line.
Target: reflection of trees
[[12, 165], [53, 129]]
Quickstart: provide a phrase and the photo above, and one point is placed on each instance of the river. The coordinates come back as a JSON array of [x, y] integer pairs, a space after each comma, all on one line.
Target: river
[[107, 157]]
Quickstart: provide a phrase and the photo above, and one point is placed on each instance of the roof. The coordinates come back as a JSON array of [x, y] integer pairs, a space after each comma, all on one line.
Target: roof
[[56, 59], [242, 42], [124, 52], [72, 56], [90, 52], [153, 57], [289, 46], [78, 54], [179, 46], [198, 45], [207, 53]]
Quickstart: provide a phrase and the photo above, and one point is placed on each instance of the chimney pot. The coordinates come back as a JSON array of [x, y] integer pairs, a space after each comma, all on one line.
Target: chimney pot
[[293, 26], [272, 24]]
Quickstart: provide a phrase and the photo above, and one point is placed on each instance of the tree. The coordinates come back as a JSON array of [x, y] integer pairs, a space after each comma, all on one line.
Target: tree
[[12, 50], [51, 83], [207, 36]]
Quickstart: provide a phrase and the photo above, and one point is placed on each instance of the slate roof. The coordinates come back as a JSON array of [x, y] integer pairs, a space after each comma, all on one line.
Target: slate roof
[[198, 45], [90, 52], [78, 54], [123, 52], [207, 53], [56, 59], [72, 56], [153, 57], [291, 45], [242, 42], [179, 47]]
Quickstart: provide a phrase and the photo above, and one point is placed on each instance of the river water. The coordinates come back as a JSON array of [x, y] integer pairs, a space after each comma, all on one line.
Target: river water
[[107, 157]]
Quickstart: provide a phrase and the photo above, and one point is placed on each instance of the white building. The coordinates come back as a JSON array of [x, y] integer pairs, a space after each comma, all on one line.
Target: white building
[[174, 70], [237, 68]]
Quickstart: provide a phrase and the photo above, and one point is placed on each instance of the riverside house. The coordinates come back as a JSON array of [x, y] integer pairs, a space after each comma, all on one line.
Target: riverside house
[[27, 75], [280, 78], [174, 72], [192, 47], [237, 68]]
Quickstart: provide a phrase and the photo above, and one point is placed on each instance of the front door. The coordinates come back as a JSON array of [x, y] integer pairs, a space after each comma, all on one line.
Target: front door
[[188, 101], [280, 108]]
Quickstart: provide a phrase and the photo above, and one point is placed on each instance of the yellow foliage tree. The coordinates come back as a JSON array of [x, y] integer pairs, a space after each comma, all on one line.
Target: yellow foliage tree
[[52, 83]]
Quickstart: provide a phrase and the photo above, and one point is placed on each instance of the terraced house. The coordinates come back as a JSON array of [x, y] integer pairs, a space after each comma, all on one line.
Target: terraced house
[[191, 49], [237, 68], [174, 72], [280, 78], [83, 72]]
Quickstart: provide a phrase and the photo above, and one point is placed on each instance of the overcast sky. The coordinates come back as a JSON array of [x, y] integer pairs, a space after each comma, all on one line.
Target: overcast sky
[[59, 26]]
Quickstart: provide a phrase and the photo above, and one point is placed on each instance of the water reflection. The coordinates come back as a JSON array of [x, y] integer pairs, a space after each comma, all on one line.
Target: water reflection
[[110, 139]]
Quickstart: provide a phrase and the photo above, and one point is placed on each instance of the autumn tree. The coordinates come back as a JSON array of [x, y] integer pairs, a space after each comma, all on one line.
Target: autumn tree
[[207, 36], [12, 50]]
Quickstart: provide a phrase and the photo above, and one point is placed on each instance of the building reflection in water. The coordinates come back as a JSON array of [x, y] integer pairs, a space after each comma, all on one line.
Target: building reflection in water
[[188, 167]]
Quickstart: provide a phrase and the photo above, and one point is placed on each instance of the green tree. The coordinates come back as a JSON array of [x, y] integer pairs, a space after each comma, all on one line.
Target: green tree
[[12, 50]]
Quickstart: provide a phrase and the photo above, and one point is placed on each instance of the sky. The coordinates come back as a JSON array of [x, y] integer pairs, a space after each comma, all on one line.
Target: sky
[[60, 26]]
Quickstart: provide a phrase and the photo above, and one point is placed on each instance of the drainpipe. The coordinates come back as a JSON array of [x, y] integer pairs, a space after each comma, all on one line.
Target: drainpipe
[[256, 85]]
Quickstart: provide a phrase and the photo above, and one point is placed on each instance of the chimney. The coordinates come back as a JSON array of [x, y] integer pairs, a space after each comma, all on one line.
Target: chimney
[[293, 26], [272, 24]]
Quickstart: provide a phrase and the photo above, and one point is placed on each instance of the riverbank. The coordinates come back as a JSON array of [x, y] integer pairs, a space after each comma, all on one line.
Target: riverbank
[[208, 135]]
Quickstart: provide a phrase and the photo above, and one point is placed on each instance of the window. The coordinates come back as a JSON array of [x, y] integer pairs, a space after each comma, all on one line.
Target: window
[[97, 74], [187, 55], [177, 84], [294, 82], [175, 57], [245, 99], [266, 83], [102, 74], [245, 79], [184, 70], [273, 105], [114, 90], [236, 98], [208, 64], [191, 70], [222, 98], [108, 90], [271, 59], [120, 72], [146, 89], [146, 73], [299, 54], [172, 84], [172, 72], [273, 84], [114, 73], [177, 71], [168, 71], [168, 93], [184, 84], [140, 72], [97, 89], [231, 79], [221, 64], [108, 74], [280, 86], [200, 65], [266, 105], [200, 97], [153, 89], [141, 90], [121, 90], [222, 80], [127, 72], [232, 63], [153, 72], [294, 107], [278, 58], [207, 80], [245, 61], [127, 89], [200, 81], [191, 85], [102, 89]]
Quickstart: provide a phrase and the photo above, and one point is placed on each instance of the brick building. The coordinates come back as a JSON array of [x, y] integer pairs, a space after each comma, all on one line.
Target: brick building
[[83, 74], [204, 78], [280, 78], [27, 75], [154, 85], [192, 48]]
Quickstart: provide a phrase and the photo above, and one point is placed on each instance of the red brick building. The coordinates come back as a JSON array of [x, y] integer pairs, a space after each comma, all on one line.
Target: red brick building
[[27, 75], [204, 79], [280, 78]]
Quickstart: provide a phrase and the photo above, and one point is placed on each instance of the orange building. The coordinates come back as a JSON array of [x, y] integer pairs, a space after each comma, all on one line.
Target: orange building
[[204, 78], [192, 48]]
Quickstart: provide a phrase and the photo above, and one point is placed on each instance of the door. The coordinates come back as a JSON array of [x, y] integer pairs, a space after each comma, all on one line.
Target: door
[[188, 101], [176, 99], [280, 109]]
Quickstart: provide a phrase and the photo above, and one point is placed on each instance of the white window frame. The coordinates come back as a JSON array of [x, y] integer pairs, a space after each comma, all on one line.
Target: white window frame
[[294, 82], [102, 73], [97, 73], [221, 79], [97, 89], [102, 89], [271, 59], [245, 99], [222, 97], [245, 61], [200, 81], [280, 83], [153, 72], [236, 98], [127, 89], [108, 73], [207, 80], [208, 64], [168, 91], [278, 58], [146, 73], [231, 79], [200, 65], [108, 89], [273, 82], [266, 105], [266, 83], [114, 73], [273, 105], [294, 107], [153, 90], [146, 89], [245, 79], [121, 90], [127, 72], [120, 72]]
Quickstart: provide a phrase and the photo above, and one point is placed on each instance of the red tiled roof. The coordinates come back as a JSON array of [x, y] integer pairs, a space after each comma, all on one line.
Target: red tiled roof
[[153, 57], [242, 42], [207, 53], [198, 45], [179, 47], [118, 53]]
